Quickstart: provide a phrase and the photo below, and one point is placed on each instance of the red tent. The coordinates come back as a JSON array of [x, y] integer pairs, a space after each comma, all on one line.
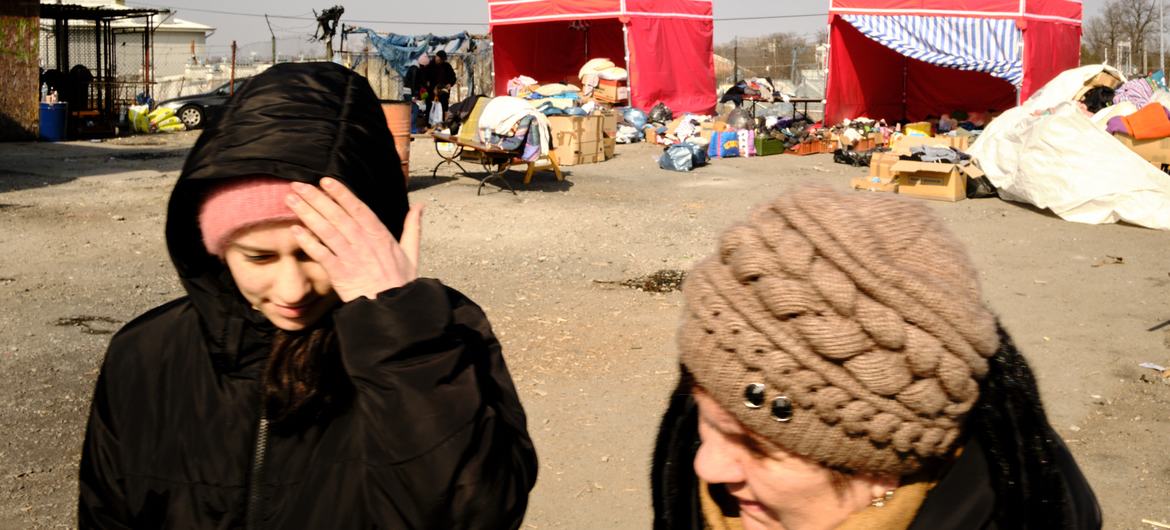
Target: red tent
[[907, 59], [666, 45]]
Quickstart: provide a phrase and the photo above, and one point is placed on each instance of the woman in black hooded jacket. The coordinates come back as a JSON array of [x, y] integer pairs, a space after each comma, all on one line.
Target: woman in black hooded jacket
[[371, 399]]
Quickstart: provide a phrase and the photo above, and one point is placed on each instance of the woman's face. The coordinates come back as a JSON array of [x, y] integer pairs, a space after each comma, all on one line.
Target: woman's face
[[278, 279], [776, 490]]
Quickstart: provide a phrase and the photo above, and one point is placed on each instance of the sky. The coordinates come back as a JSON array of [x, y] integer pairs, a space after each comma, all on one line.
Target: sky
[[449, 16]]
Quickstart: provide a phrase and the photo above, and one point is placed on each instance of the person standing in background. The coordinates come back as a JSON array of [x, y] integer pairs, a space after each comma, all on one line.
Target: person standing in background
[[415, 86], [442, 80]]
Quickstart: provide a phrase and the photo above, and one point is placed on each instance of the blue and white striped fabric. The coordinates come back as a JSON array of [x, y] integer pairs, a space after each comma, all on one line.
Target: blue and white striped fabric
[[979, 44]]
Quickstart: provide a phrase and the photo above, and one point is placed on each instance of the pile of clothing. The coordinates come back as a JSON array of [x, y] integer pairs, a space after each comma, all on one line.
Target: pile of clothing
[[1150, 122], [793, 130], [522, 86], [556, 99], [512, 124], [1053, 153], [760, 88]]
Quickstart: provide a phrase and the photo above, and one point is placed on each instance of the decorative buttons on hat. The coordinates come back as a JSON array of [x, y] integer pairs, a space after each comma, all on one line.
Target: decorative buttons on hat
[[781, 408], [753, 396]]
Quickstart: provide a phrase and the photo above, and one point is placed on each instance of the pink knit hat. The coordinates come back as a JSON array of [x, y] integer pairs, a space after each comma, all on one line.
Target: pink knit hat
[[241, 204]]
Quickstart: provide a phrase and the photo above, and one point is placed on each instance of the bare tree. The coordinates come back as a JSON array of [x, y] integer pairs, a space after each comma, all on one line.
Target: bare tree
[[1102, 33], [1141, 25], [776, 55], [327, 28]]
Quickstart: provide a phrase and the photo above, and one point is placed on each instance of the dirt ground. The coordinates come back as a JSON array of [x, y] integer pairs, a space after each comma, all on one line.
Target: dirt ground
[[594, 361]]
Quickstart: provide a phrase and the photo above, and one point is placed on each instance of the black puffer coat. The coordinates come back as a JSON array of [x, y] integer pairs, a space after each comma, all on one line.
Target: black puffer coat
[[963, 499], [434, 435]]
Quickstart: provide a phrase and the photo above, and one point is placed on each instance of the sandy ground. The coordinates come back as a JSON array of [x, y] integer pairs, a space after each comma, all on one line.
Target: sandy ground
[[84, 253]]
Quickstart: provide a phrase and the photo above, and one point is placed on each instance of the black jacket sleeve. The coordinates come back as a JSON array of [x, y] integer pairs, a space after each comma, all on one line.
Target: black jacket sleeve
[[101, 502], [439, 407]]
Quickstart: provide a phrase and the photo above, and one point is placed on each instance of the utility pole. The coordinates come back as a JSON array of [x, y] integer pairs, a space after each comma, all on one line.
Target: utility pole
[[792, 72], [232, 83], [735, 62], [273, 38]]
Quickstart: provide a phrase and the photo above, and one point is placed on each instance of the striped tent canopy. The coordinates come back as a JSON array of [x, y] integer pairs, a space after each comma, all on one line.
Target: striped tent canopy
[[990, 45]]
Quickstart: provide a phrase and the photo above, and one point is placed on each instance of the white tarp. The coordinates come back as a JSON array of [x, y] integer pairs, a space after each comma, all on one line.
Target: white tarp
[[1046, 152]]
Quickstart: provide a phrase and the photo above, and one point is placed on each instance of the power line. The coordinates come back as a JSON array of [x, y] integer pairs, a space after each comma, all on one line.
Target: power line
[[286, 17], [426, 23]]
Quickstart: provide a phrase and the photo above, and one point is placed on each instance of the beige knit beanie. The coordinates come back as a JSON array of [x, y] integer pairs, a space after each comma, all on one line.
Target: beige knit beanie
[[847, 328]]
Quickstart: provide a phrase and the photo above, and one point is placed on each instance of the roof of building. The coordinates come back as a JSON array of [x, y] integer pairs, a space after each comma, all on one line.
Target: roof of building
[[122, 16]]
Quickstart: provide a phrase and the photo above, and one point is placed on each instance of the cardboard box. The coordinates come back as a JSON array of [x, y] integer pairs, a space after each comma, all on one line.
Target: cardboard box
[[609, 124], [577, 139], [611, 91], [577, 158], [1156, 150], [928, 180], [880, 164], [902, 144], [874, 183], [570, 131]]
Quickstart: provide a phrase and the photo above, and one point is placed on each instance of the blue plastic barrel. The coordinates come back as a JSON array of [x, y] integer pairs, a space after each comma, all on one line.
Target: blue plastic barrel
[[54, 116]]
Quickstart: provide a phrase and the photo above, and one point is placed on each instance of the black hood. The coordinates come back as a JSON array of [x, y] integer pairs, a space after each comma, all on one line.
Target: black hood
[[296, 121]]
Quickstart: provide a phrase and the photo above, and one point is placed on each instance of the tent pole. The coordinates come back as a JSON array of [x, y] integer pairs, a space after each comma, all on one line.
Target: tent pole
[[629, 67]]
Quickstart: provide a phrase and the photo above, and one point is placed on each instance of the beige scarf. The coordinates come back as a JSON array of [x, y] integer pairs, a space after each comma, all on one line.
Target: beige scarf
[[897, 514]]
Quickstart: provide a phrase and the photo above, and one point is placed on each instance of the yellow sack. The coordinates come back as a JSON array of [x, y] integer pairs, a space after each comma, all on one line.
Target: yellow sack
[[136, 115], [158, 115], [172, 127], [170, 122]]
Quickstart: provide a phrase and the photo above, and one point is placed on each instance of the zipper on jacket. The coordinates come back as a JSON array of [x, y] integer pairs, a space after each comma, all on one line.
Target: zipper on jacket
[[253, 515]]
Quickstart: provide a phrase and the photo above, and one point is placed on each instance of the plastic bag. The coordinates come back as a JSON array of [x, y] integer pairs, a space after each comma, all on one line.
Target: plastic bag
[[676, 158], [723, 145], [682, 157], [634, 117], [661, 113], [739, 119], [169, 122], [160, 114], [698, 153], [626, 134], [436, 116], [980, 188], [136, 115]]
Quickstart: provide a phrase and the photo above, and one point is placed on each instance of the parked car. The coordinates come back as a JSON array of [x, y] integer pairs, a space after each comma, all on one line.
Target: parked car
[[195, 110]]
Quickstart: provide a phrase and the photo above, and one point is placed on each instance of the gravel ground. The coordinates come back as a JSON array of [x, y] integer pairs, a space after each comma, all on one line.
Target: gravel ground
[[593, 360]]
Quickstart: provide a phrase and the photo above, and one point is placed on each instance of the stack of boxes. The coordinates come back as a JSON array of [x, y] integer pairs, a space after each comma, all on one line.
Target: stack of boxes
[[612, 92], [583, 139], [925, 180]]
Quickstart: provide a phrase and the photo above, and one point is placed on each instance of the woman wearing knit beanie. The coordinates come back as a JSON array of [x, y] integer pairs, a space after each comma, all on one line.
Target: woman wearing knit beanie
[[840, 371], [310, 378]]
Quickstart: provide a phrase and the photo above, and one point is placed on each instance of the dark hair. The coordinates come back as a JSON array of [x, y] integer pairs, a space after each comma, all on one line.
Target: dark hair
[[304, 379], [1097, 98], [442, 54], [1010, 423]]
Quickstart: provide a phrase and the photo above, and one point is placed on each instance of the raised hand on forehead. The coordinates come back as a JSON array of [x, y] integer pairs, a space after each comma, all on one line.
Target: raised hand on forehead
[[344, 235]]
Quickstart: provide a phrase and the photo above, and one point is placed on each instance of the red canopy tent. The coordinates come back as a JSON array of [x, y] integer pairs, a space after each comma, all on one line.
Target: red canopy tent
[[907, 59], [666, 45]]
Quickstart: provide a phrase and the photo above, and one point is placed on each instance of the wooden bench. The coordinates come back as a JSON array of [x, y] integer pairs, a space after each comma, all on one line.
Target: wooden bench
[[495, 161]]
